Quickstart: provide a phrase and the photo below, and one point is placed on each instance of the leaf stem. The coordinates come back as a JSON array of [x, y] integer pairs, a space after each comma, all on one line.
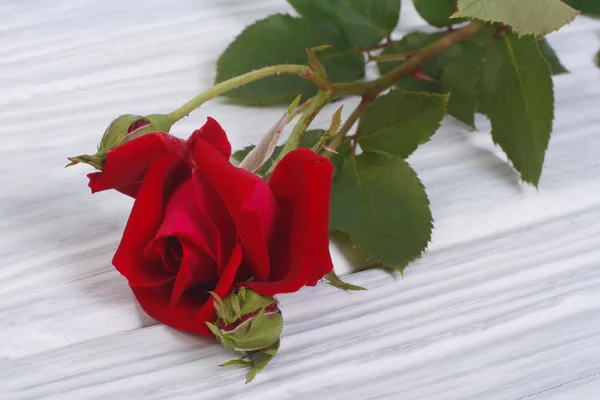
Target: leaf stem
[[390, 57], [233, 83], [387, 42]]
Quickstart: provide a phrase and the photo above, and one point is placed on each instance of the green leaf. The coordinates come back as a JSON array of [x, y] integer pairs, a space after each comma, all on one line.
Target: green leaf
[[526, 17], [399, 121], [433, 68], [380, 202], [365, 22], [437, 12], [460, 80], [337, 282], [516, 94], [597, 59], [242, 153], [548, 53], [309, 139], [281, 39], [587, 7], [415, 84], [411, 42]]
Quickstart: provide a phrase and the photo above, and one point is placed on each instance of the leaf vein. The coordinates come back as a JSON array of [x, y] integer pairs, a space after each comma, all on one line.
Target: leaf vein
[[408, 117], [368, 204], [513, 60]]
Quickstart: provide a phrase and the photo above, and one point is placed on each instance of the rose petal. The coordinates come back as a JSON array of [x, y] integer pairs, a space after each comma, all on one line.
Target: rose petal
[[226, 279], [183, 219], [96, 182], [164, 292], [168, 250], [195, 307], [162, 178], [211, 133], [248, 200], [212, 208], [196, 267], [301, 183], [126, 165]]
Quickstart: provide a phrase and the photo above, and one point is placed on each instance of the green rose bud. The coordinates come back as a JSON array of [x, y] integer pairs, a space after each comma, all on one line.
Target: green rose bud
[[122, 130], [249, 323]]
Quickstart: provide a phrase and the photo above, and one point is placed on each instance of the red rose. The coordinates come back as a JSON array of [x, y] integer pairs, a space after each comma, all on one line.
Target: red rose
[[201, 224]]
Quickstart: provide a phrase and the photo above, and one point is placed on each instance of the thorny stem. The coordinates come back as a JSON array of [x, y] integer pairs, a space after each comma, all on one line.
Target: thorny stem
[[233, 83], [387, 42], [416, 60], [368, 90]]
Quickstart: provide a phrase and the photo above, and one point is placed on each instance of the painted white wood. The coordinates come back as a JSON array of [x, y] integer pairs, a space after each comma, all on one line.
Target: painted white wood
[[505, 304]]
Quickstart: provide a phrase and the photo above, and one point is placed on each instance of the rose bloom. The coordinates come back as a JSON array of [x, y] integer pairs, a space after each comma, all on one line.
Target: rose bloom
[[200, 224]]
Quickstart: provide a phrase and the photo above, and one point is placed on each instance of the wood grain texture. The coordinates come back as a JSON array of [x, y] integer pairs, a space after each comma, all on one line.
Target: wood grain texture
[[505, 305]]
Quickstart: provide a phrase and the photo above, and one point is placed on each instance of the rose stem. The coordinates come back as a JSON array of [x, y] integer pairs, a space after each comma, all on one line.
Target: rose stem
[[233, 83], [318, 102], [416, 60], [348, 124]]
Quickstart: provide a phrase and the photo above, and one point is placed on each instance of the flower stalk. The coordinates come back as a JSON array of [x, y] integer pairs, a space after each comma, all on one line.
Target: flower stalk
[[234, 83], [317, 74]]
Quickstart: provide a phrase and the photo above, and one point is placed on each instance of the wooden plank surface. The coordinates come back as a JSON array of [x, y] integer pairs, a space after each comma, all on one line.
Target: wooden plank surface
[[505, 304]]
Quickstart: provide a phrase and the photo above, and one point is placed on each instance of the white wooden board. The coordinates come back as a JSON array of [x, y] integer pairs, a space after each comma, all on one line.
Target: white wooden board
[[505, 305]]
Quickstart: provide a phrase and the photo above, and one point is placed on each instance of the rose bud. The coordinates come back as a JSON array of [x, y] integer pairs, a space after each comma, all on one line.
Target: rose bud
[[122, 130], [249, 323]]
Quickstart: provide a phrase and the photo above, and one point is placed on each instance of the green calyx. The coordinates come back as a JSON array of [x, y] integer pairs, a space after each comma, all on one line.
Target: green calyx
[[248, 323], [124, 129], [241, 302]]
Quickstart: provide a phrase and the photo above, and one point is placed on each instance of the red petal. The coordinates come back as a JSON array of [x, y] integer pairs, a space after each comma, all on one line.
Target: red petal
[[248, 200], [212, 208], [168, 250], [301, 183], [140, 123], [212, 133], [195, 306], [126, 165], [196, 267], [182, 219], [146, 217]]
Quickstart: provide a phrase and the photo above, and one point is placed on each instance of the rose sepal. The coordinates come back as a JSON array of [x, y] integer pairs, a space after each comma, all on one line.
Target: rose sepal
[[248, 323], [123, 129]]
